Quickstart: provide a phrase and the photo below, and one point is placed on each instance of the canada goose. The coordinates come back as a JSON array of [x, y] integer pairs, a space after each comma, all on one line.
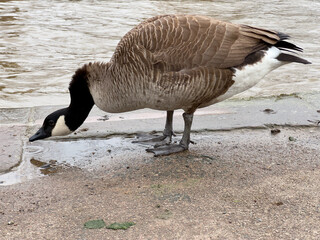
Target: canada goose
[[173, 62]]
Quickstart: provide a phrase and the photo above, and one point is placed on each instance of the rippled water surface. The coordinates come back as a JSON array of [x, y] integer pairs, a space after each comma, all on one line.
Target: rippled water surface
[[43, 42]]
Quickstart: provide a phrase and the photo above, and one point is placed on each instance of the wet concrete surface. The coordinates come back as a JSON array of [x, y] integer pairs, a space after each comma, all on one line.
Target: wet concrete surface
[[11, 146], [238, 181]]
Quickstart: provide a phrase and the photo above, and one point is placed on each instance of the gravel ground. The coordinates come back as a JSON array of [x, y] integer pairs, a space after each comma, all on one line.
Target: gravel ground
[[237, 184]]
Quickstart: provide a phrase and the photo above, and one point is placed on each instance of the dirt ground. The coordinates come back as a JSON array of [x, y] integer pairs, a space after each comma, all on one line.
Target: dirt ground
[[239, 184]]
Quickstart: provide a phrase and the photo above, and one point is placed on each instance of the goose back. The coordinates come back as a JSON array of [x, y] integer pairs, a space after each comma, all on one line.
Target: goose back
[[186, 41]]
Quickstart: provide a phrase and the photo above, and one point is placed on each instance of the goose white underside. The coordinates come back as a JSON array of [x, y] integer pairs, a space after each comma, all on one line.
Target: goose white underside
[[61, 128], [250, 75]]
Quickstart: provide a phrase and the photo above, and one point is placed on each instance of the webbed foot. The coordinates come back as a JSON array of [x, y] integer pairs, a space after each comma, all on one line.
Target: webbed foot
[[166, 150], [154, 140], [162, 146]]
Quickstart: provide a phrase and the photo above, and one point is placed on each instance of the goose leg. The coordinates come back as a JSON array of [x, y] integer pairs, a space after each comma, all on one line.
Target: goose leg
[[175, 148], [160, 140], [168, 129]]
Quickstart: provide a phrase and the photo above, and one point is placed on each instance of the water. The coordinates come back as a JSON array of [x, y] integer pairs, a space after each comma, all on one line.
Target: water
[[49, 157], [42, 43]]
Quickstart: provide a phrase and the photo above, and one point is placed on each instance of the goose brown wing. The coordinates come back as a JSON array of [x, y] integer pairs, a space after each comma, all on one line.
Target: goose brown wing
[[197, 86], [185, 41]]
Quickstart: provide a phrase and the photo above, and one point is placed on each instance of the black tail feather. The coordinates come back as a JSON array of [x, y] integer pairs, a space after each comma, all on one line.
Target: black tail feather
[[287, 46], [283, 36], [291, 58]]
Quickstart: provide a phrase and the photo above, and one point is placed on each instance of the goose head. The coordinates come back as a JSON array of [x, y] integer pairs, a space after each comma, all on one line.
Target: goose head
[[66, 120], [53, 125]]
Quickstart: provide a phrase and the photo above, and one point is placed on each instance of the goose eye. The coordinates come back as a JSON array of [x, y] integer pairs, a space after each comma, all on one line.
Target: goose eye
[[51, 123]]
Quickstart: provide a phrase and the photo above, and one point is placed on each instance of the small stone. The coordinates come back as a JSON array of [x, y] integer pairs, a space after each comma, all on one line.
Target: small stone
[[292, 139], [10, 223], [278, 203], [275, 131], [269, 111], [104, 118]]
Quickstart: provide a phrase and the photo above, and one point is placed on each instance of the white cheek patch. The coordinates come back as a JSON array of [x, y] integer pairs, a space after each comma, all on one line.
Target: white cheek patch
[[60, 128]]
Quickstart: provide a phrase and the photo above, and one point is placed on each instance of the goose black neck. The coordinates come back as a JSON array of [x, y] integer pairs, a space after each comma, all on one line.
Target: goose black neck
[[81, 99]]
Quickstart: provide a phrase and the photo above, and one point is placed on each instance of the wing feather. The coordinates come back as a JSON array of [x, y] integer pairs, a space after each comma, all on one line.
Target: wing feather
[[185, 41]]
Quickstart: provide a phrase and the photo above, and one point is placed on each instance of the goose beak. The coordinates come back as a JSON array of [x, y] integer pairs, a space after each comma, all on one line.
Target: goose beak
[[40, 134]]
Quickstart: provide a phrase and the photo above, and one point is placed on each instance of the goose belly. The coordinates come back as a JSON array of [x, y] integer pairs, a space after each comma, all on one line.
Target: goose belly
[[249, 75]]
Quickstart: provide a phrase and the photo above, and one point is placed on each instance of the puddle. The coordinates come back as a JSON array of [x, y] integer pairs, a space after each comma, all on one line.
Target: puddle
[[47, 157], [24, 172], [45, 168]]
